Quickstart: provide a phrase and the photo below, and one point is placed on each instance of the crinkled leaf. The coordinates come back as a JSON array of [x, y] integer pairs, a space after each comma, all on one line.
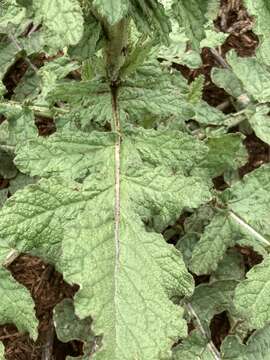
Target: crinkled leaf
[[156, 185], [70, 155], [257, 346], [194, 347], [217, 237], [62, 22], [253, 74], [226, 152], [246, 217], [191, 16], [86, 47], [150, 18], [150, 92], [17, 306], [253, 294], [260, 123]]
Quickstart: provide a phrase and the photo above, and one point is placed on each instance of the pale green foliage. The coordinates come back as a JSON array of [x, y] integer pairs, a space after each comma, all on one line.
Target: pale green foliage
[[69, 327], [253, 74], [252, 295], [257, 346], [260, 9], [133, 155], [17, 305], [217, 237], [112, 10], [144, 160], [62, 21], [226, 152], [193, 348], [237, 222], [2, 351], [213, 298], [260, 122]]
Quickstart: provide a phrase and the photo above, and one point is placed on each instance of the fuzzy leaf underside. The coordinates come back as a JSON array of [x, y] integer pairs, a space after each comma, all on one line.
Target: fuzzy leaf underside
[[17, 306], [256, 348], [126, 279]]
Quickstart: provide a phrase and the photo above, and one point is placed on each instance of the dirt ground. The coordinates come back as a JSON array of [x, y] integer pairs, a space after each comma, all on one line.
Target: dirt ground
[[45, 284]]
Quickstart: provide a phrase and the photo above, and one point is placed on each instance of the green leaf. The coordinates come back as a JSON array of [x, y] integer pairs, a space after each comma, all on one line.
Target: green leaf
[[196, 90], [17, 306], [69, 327], [194, 347], [211, 299], [86, 47], [70, 155], [112, 10], [156, 185], [207, 115], [62, 22], [261, 11], [191, 16], [217, 237], [227, 80], [260, 123], [252, 295], [226, 152], [257, 346], [253, 74], [231, 267], [37, 226], [2, 351], [151, 19]]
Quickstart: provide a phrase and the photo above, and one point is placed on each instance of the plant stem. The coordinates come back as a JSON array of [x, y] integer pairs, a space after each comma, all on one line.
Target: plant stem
[[115, 54], [38, 110], [210, 344]]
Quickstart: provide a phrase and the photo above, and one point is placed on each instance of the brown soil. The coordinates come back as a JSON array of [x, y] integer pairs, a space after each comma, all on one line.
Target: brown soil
[[47, 289]]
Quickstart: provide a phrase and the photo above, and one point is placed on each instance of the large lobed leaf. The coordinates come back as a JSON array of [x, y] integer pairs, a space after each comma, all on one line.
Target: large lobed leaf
[[126, 276]]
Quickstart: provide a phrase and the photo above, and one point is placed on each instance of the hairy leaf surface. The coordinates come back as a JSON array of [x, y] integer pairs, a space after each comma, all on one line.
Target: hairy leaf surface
[[126, 277]]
